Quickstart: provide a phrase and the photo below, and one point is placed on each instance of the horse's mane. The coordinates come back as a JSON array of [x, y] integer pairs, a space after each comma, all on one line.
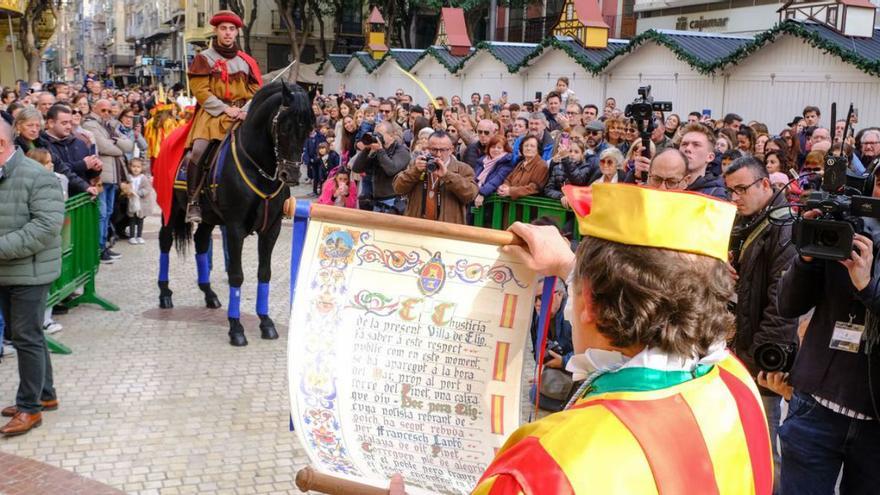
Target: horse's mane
[[300, 105]]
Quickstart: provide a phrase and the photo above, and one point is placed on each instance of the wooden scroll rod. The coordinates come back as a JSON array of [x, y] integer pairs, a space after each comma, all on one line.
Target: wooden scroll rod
[[363, 218], [308, 479]]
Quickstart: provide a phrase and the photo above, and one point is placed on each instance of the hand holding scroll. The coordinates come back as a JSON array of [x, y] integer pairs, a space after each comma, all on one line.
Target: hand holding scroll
[[546, 251]]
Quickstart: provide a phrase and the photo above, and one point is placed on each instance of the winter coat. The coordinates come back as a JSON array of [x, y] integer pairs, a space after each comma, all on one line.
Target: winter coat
[[457, 190], [710, 185], [383, 166], [473, 154], [496, 177], [111, 147], [31, 217], [528, 177], [568, 171], [140, 201], [760, 265], [68, 157], [329, 189]]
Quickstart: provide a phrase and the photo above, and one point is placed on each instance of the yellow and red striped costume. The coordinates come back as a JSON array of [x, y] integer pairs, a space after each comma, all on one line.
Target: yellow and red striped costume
[[703, 436]]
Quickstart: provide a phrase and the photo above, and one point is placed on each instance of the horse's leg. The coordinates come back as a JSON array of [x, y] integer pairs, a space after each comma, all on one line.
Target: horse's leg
[[234, 240], [265, 245], [202, 240], [165, 242]]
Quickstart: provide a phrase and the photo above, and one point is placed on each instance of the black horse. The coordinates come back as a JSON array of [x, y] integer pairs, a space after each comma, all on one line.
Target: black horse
[[260, 160]]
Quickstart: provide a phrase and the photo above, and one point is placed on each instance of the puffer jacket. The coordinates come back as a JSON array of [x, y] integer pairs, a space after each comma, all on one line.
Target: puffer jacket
[[31, 216], [111, 147]]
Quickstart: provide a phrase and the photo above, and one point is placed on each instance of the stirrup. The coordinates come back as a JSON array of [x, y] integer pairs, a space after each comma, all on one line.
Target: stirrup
[[193, 213]]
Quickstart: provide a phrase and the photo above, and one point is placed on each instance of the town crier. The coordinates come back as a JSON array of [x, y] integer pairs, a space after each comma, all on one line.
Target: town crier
[[665, 407], [223, 79]]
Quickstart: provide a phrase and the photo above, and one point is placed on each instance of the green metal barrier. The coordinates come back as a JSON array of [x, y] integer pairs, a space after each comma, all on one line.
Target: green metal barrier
[[79, 261], [499, 212]]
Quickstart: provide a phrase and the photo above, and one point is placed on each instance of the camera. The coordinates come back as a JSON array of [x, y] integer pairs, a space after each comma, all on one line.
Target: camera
[[830, 237], [370, 138], [644, 106], [431, 164], [775, 356], [642, 112]]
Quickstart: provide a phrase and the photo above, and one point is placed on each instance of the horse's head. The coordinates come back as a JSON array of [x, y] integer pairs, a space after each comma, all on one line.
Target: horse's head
[[291, 125]]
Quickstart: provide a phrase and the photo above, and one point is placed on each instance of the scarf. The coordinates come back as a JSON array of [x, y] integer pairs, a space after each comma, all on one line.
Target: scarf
[[227, 52], [488, 166]]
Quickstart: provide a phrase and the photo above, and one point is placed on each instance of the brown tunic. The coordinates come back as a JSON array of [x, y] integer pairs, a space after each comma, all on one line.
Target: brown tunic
[[214, 94]]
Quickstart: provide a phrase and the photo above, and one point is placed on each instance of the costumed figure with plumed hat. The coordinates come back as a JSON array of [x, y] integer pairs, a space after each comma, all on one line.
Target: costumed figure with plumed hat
[[163, 120], [223, 79]]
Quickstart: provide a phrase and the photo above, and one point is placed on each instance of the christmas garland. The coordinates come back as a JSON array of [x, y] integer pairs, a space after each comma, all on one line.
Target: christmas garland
[[705, 68], [790, 27], [404, 65], [810, 36]]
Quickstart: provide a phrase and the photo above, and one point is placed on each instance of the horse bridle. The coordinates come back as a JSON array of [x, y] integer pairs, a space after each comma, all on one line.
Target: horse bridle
[[279, 161]]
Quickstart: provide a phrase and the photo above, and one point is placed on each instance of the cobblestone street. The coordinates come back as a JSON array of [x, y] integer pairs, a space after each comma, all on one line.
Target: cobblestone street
[[157, 402]]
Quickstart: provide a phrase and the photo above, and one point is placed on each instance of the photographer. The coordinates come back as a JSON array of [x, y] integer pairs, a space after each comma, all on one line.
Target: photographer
[[382, 156], [833, 418], [760, 253], [438, 186]]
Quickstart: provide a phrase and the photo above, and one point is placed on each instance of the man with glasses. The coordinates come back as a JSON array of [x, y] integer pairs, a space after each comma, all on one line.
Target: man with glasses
[[112, 147], [441, 191], [761, 251], [386, 111], [594, 138], [869, 148], [573, 114], [698, 145], [668, 170], [476, 145]]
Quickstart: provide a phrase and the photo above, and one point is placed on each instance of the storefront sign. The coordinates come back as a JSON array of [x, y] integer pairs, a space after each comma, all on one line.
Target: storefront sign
[[685, 24]]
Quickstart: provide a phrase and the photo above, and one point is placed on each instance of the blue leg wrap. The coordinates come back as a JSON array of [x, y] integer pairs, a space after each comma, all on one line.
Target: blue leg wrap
[[203, 264], [164, 261], [234, 302], [263, 299]]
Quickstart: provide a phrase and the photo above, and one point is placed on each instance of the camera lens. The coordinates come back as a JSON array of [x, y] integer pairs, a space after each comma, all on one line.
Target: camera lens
[[773, 356], [828, 238]]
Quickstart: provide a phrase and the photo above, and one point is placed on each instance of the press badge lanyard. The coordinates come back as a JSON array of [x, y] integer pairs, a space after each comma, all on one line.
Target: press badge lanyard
[[847, 336]]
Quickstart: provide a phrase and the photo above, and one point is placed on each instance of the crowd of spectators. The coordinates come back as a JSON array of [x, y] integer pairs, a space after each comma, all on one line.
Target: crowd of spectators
[[98, 141], [533, 148]]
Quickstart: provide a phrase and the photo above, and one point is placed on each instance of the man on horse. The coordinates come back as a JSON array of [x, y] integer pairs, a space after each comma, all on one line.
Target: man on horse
[[223, 79]]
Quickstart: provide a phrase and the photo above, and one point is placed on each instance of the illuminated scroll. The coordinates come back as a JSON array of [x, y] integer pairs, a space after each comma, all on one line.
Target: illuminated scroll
[[405, 348]]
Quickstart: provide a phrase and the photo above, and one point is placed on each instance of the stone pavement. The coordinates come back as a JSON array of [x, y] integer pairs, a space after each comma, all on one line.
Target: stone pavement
[[157, 402]]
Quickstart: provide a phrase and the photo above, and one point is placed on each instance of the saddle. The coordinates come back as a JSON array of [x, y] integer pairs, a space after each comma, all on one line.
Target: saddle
[[212, 162]]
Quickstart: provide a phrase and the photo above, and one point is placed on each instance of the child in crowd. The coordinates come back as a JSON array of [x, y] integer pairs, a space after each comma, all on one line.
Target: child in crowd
[[339, 190], [321, 166], [44, 158], [138, 200]]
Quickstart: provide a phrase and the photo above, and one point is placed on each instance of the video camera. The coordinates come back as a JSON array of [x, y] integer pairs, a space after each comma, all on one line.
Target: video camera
[[830, 237], [641, 110]]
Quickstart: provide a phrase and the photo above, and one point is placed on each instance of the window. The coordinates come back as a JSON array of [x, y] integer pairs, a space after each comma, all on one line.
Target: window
[[831, 16], [200, 20]]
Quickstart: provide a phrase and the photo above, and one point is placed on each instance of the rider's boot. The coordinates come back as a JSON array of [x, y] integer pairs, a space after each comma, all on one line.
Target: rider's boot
[[193, 181]]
